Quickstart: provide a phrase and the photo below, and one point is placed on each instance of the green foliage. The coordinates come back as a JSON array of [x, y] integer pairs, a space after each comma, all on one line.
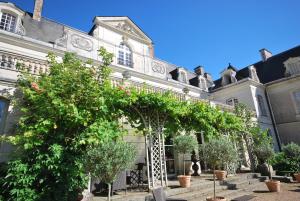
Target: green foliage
[[185, 144], [288, 159], [264, 152], [219, 151], [64, 113], [108, 159], [73, 108]]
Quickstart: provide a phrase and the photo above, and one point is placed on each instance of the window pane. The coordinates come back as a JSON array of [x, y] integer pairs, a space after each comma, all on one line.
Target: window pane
[[296, 95], [261, 105], [8, 22], [3, 110]]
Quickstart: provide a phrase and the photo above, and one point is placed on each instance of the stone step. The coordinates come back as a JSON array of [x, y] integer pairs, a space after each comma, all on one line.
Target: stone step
[[208, 190], [231, 194], [200, 188], [200, 184]]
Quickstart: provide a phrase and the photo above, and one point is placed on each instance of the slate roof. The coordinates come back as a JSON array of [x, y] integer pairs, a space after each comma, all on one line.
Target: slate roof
[[267, 71]]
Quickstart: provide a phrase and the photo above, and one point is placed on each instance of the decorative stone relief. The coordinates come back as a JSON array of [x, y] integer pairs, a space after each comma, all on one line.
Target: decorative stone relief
[[292, 66], [158, 68], [62, 42], [126, 27], [20, 29], [81, 42]]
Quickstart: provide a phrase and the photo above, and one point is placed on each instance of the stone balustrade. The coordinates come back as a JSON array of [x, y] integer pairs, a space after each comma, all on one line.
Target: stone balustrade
[[11, 61]]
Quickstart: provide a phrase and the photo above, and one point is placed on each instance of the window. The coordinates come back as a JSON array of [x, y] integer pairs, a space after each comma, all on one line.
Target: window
[[202, 83], [124, 55], [182, 77], [296, 96], [232, 101], [8, 22], [3, 112], [261, 105]]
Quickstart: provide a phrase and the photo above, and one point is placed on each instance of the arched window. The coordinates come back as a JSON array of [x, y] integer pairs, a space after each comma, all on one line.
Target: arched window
[[8, 22], [232, 101], [3, 112], [261, 105], [124, 55]]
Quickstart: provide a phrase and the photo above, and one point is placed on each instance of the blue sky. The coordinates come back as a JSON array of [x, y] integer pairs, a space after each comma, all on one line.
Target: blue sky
[[189, 33]]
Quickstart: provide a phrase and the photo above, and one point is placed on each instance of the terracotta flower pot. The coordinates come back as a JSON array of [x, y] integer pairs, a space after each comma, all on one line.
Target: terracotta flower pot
[[184, 180], [297, 176], [218, 198], [220, 174], [273, 185]]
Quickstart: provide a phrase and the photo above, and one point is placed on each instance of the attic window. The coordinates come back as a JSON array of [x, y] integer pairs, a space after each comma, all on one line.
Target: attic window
[[8, 22]]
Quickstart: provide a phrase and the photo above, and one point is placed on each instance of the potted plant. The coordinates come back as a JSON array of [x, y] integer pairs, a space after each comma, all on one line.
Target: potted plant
[[264, 153], [218, 152], [184, 144], [108, 159]]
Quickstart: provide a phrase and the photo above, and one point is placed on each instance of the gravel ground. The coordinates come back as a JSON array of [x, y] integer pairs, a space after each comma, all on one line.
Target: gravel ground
[[289, 192]]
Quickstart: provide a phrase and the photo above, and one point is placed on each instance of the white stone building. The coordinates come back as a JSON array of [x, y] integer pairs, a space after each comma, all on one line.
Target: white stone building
[[27, 38]]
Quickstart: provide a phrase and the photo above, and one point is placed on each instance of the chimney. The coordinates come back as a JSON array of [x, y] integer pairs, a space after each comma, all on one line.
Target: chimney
[[199, 70], [38, 7], [265, 54]]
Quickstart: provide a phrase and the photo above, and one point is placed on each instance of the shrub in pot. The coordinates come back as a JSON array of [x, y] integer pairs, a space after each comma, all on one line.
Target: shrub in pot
[[185, 144], [264, 153], [291, 154], [218, 152], [108, 159]]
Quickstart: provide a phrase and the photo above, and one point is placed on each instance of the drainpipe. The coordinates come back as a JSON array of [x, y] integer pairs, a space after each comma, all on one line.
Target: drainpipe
[[273, 119]]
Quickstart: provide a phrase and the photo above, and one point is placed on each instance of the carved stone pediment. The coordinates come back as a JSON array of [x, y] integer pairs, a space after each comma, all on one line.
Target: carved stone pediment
[[123, 24], [126, 27]]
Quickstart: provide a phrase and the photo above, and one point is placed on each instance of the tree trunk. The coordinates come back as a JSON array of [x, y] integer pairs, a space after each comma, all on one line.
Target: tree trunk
[[214, 183], [183, 165], [109, 190], [250, 152]]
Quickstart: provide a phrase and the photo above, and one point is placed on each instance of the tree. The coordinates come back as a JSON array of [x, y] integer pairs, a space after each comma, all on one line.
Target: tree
[[217, 152], [185, 144], [64, 112], [107, 159]]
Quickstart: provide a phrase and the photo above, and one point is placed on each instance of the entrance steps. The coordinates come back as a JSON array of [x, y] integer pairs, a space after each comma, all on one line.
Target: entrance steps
[[202, 187]]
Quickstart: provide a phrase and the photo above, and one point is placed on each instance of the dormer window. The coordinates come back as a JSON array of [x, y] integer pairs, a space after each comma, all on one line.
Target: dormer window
[[228, 75], [202, 83], [292, 66], [8, 22], [182, 76], [125, 55]]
